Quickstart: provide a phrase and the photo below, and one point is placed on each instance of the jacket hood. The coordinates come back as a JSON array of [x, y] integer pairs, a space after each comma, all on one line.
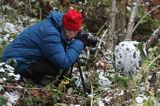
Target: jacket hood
[[57, 18]]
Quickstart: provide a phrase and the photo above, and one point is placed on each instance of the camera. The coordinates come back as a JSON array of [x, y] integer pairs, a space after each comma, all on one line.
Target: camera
[[87, 38]]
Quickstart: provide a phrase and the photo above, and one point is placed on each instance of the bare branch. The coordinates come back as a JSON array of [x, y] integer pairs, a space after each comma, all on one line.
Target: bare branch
[[132, 20], [102, 38], [144, 17], [153, 61], [30, 7], [154, 37]]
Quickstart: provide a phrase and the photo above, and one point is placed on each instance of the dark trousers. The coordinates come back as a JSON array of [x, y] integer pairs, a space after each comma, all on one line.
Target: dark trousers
[[41, 69]]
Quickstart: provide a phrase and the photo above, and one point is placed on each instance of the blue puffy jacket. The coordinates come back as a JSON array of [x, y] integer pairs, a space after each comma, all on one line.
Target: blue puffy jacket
[[43, 40]]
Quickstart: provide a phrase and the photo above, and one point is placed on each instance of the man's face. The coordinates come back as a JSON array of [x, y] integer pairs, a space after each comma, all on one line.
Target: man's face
[[70, 34]]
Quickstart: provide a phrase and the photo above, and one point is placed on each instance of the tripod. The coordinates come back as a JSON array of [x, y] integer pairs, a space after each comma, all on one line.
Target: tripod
[[81, 75]]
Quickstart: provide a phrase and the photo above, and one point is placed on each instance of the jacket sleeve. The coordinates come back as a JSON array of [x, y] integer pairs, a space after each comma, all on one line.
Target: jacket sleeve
[[53, 49]]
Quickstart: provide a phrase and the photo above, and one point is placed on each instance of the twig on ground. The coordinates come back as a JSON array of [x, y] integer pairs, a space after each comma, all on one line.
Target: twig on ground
[[155, 70], [22, 88], [91, 93]]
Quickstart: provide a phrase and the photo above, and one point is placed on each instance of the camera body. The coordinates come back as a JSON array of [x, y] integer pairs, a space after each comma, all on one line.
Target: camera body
[[87, 38]]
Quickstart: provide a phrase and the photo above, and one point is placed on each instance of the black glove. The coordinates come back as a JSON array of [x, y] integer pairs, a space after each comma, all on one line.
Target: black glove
[[87, 38]]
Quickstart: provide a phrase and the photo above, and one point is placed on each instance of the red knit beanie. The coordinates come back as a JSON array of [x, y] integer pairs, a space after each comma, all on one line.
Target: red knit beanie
[[72, 20]]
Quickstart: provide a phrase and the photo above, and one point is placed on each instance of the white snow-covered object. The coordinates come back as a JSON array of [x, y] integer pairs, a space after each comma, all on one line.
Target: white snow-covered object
[[127, 57], [103, 80], [100, 102], [12, 97], [9, 27]]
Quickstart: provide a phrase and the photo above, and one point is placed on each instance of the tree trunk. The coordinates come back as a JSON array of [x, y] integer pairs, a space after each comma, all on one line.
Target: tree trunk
[[111, 29], [121, 21], [45, 7]]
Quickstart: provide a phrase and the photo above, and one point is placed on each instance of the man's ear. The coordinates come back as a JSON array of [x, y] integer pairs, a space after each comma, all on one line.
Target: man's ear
[[64, 30]]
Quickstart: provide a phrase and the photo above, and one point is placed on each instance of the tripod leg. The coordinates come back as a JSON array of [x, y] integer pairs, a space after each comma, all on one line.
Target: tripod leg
[[82, 79]]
